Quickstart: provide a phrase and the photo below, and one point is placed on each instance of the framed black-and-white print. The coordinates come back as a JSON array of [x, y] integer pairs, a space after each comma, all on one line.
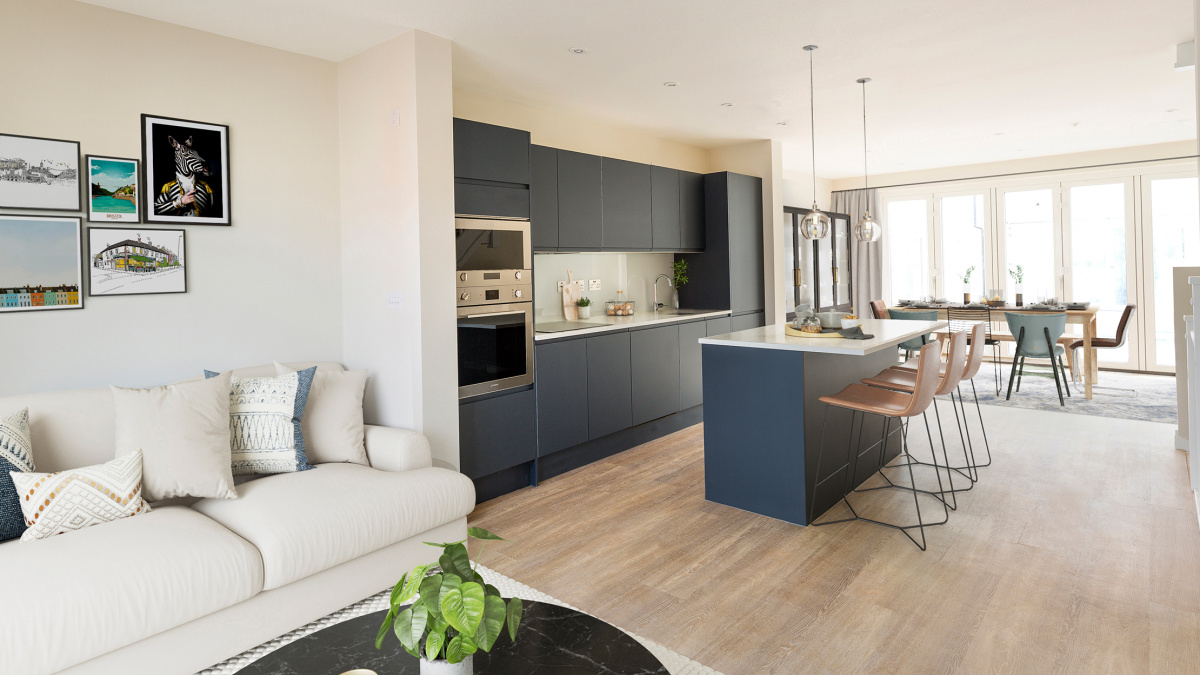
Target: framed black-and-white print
[[112, 190], [136, 261], [40, 263], [185, 172], [39, 173]]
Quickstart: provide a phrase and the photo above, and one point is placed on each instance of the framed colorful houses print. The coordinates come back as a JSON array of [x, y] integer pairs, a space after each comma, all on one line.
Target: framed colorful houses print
[[131, 261], [40, 265], [185, 175], [39, 173], [112, 190]]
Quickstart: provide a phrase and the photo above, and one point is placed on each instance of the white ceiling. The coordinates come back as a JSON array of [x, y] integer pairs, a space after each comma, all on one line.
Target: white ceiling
[[953, 83]]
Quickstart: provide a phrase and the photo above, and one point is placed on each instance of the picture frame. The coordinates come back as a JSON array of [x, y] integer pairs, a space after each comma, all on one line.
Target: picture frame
[[39, 174], [41, 263], [136, 261], [113, 189], [185, 172]]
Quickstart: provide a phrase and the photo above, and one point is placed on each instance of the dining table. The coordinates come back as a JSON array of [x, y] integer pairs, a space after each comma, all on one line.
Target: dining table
[[1085, 317]]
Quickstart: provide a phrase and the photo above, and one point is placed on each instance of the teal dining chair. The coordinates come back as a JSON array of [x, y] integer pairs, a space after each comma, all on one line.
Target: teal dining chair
[[915, 344], [1037, 337]]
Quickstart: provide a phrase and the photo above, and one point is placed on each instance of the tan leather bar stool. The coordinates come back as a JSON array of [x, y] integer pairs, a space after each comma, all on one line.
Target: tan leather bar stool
[[861, 399], [974, 363], [951, 373]]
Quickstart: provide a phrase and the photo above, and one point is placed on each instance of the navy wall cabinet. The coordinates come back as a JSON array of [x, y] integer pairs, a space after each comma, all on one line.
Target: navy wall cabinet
[[654, 356], [562, 394], [475, 199], [728, 274], [691, 382], [580, 202], [543, 197], [609, 391], [497, 433], [665, 203], [626, 188], [691, 211], [490, 153]]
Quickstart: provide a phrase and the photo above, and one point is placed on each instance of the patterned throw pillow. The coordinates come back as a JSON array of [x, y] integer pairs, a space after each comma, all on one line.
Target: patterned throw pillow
[[16, 454], [265, 416], [53, 503]]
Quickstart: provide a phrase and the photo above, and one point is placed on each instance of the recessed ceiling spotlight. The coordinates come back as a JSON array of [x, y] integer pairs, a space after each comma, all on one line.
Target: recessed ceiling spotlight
[[999, 133], [782, 124], [578, 50], [1172, 109], [726, 105], [670, 84]]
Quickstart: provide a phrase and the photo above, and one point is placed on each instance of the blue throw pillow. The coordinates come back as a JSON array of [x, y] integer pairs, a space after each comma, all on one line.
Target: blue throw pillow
[[264, 422], [16, 454]]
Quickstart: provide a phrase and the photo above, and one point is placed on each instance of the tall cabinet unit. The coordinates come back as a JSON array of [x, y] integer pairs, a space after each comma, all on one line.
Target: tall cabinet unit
[[728, 274]]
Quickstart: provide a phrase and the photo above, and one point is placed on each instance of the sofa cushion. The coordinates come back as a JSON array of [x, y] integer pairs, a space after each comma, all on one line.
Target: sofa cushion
[[265, 414], [16, 455], [309, 521], [56, 503], [85, 593], [333, 420]]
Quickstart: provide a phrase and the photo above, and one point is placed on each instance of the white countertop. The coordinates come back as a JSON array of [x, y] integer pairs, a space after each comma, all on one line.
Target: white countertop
[[638, 320], [888, 333]]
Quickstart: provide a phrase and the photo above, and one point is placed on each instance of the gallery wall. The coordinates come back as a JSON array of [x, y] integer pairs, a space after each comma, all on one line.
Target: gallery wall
[[267, 287]]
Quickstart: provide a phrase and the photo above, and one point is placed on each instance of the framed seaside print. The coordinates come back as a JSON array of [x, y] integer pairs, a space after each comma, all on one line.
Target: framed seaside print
[[130, 261], [185, 172], [39, 173], [112, 190], [40, 266]]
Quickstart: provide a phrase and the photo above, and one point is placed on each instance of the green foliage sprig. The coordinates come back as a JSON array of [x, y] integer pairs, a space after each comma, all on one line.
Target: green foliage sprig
[[965, 277], [584, 302], [680, 267], [1017, 274], [457, 614]]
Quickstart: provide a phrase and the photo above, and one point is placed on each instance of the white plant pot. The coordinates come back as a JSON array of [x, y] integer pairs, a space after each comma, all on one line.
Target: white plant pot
[[585, 312], [440, 667]]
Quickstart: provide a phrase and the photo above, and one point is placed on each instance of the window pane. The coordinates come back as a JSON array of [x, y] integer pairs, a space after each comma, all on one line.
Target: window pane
[[1174, 214], [1029, 240], [962, 244], [908, 245], [1098, 264]]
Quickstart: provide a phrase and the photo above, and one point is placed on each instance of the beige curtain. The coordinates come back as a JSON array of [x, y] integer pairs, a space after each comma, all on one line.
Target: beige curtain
[[866, 259]]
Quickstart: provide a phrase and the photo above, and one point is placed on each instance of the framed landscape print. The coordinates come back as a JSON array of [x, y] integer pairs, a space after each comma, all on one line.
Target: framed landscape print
[[185, 175], [112, 189], [131, 261], [40, 266], [39, 173]]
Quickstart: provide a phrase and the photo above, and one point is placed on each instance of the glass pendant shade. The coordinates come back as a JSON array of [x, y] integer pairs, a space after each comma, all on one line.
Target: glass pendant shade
[[815, 224], [867, 230]]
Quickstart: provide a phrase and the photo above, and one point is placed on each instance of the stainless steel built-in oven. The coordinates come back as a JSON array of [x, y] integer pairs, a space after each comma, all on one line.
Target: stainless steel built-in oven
[[495, 305]]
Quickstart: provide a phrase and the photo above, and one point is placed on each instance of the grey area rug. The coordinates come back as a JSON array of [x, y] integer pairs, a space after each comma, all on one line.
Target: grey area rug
[[675, 663], [1131, 396]]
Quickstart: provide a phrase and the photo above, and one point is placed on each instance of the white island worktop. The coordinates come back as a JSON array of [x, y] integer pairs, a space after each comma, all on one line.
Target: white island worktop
[[888, 333]]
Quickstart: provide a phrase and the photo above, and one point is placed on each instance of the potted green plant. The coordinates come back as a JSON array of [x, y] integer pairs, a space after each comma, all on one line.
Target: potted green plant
[[1018, 275], [680, 269], [585, 307], [456, 614], [966, 280]]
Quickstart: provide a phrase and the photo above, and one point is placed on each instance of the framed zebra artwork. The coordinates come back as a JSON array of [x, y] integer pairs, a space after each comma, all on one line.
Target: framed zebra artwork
[[136, 261], [41, 266], [39, 173], [185, 172]]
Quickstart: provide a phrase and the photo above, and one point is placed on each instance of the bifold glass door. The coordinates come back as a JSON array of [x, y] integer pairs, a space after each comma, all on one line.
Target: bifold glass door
[[1171, 238], [908, 246]]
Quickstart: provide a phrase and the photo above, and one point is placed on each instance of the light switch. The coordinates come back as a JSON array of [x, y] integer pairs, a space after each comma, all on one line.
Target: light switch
[[395, 301], [594, 284]]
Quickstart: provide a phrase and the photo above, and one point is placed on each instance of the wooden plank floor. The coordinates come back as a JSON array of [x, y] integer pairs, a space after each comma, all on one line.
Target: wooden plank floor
[[1077, 552]]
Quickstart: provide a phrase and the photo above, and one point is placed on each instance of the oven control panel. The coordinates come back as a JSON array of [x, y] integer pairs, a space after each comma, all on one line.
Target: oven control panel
[[492, 278], [467, 296]]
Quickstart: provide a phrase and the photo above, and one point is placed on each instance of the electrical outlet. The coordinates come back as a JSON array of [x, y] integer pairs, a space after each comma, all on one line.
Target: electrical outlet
[[579, 285], [561, 286], [594, 284]]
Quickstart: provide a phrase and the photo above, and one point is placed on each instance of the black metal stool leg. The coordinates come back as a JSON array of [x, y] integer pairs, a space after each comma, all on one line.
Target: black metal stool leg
[[982, 427]]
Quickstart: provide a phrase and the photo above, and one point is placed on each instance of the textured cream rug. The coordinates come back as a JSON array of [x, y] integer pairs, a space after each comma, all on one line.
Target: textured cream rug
[[676, 663]]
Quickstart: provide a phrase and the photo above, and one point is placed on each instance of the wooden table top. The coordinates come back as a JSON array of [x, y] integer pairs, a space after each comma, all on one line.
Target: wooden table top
[[1003, 308]]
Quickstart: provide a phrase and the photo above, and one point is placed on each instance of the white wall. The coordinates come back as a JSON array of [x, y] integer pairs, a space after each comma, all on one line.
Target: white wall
[[397, 214], [269, 287]]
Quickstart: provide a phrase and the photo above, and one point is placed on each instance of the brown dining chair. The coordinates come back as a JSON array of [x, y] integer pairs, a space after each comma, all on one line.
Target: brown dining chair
[[879, 309], [1115, 342], [863, 400], [965, 319]]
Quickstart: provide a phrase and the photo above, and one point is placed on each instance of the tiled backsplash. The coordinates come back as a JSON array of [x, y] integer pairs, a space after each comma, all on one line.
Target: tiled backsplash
[[629, 272]]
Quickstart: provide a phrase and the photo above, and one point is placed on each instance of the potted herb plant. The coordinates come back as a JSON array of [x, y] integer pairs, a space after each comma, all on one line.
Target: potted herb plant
[[966, 280], [585, 307], [1018, 275], [680, 269], [456, 614]]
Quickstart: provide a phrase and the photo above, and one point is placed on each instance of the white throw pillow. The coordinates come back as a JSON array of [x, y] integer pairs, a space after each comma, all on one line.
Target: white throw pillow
[[183, 432], [333, 420], [53, 503]]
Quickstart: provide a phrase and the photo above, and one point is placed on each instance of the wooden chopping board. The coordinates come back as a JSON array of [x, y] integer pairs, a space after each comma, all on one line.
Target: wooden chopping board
[[570, 295]]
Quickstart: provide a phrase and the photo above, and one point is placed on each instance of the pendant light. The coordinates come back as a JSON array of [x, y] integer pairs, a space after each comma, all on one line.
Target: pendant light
[[815, 224], [867, 230]]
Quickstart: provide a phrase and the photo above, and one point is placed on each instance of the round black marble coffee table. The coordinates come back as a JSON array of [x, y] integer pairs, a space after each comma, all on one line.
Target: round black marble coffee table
[[552, 640]]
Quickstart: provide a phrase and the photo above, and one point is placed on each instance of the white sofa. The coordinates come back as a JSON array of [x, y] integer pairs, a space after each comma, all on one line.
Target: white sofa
[[191, 584]]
